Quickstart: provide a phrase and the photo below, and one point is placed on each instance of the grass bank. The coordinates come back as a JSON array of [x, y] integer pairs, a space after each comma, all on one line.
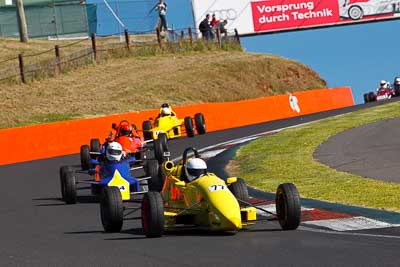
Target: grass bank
[[288, 157], [124, 84]]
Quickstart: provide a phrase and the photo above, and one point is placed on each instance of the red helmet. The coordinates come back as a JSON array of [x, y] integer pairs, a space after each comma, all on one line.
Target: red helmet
[[125, 130]]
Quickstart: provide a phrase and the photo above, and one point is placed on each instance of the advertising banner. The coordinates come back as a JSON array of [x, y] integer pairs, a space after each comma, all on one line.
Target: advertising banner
[[252, 16]]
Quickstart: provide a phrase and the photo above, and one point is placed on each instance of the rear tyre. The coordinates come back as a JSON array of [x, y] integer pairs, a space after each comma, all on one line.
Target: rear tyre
[[111, 209], [366, 98], [94, 147], [239, 190], [288, 207], [189, 127], [68, 185], [164, 141], [158, 150], [146, 126], [156, 183], [85, 157], [200, 123], [371, 96], [153, 214]]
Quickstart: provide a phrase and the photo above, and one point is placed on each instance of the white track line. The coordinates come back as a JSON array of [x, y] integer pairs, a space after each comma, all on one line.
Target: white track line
[[350, 224]]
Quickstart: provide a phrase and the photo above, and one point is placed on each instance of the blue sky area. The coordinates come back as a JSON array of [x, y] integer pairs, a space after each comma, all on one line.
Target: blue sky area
[[358, 56]]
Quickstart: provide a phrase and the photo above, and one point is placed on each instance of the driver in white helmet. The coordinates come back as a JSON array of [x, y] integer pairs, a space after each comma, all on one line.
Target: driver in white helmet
[[114, 151], [166, 110], [196, 168], [383, 85]]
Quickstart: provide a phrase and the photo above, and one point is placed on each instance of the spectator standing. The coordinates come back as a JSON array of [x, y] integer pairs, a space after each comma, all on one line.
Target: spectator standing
[[161, 7], [214, 21], [206, 29]]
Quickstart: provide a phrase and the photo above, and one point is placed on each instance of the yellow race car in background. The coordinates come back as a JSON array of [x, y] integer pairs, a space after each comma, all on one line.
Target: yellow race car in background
[[196, 198], [167, 125]]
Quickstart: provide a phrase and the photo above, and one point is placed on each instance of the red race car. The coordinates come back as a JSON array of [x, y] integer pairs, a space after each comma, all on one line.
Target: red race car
[[132, 145]]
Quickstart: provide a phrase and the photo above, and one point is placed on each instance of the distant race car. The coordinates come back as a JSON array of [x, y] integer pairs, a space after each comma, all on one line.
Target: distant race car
[[204, 201], [357, 9], [382, 94], [133, 146], [168, 126], [105, 173], [396, 86]]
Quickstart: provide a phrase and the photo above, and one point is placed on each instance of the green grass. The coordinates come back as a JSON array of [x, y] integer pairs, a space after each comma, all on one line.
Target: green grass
[[288, 157]]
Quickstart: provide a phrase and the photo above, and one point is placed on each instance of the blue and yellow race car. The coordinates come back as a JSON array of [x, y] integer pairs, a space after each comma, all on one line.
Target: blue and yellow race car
[[194, 197], [109, 169]]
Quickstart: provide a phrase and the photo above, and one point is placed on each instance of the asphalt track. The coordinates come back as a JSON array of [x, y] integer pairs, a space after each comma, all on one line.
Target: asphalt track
[[37, 229], [372, 150]]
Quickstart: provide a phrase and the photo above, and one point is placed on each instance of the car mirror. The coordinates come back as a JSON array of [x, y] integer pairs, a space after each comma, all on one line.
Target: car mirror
[[180, 183], [113, 126], [94, 162]]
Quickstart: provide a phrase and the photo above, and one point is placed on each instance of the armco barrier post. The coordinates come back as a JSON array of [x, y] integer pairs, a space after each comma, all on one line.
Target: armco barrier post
[[21, 68], [127, 40], [237, 37], [58, 59], [94, 47], [190, 36], [219, 38], [159, 37]]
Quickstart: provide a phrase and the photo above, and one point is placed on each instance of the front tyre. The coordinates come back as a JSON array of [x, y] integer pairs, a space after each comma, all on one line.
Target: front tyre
[[288, 207], [156, 183], [111, 209], [85, 157], [68, 185], [239, 190], [153, 214], [355, 13], [158, 150]]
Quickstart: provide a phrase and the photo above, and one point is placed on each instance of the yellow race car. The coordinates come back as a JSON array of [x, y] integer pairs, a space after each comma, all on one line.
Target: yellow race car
[[192, 196], [169, 126]]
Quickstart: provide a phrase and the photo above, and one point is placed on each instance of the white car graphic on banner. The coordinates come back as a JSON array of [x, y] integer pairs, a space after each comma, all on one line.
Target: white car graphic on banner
[[357, 9]]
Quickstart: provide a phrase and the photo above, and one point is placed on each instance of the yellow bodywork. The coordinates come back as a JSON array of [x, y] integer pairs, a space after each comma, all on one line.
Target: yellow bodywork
[[170, 125], [206, 202], [122, 184]]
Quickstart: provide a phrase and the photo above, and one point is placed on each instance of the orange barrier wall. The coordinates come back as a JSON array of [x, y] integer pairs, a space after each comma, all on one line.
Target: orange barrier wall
[[63, 138]]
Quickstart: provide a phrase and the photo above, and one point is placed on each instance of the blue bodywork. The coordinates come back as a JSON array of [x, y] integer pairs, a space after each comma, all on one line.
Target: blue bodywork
[[107, 170]]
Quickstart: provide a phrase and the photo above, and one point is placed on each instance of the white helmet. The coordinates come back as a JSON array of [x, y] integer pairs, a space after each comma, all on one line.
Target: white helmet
[[166, 111], [196, 167], [383, 83], [114, 151]]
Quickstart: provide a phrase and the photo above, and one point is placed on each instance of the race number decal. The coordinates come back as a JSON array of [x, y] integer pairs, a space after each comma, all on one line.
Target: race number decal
[[214, 188]]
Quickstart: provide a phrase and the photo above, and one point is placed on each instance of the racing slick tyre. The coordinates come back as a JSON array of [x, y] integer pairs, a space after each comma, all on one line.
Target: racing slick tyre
[[200, 123], [288, 206], [95, 147], [153, 170], [68, 185], [111, 209], [146, 126], [239, 190], [153, 214], [371, 96], [158, 150], [164, 141], [63, 170], [355, 13], [189, 127], [85, 157], [366, 98]]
